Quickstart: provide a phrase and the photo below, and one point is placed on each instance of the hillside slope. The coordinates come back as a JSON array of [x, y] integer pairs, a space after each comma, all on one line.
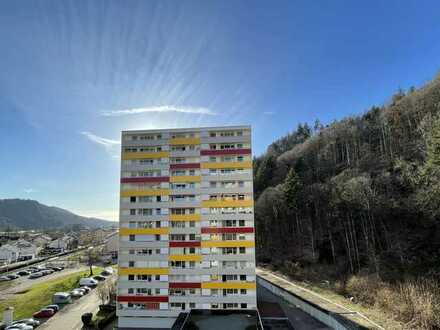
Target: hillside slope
[[360, 194], [30, 214]]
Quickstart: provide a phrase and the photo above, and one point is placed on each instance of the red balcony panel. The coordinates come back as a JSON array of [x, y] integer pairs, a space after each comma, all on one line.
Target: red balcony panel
[[184, 244], [224, 230], [143, 298], [187, 165], [146, 179], [225, 152], [185, 285]]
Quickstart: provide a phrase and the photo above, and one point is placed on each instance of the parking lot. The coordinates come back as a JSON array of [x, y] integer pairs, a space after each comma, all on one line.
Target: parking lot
[[33, 291]]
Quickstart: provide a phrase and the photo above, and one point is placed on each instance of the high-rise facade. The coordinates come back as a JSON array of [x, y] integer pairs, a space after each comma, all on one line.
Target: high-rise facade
[[186, 224]]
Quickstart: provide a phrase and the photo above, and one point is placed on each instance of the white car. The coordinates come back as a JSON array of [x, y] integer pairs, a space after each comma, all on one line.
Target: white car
[[20, 326], [77, 293], [32, 322], [88, 281]]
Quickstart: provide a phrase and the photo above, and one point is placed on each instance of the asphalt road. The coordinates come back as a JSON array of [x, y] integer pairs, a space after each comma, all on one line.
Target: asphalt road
[[299, 319], [69, 317]]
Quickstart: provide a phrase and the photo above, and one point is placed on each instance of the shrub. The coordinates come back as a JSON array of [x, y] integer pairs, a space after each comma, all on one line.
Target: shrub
[[364, 288], [417, 304]]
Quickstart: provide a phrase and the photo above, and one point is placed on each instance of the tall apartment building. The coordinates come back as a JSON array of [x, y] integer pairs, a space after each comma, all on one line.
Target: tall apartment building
[[186, 224]]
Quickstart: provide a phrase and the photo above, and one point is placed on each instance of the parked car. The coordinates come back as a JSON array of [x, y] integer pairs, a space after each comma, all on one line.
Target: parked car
[[12, 276], [81, 290], [4, 278], [99, 278], [19, 326], [23, 273], [46, 271], [44, 313], [55, 307], [61, 298], [107, 271], [36, 275], [88, 281], [86, 289], [76, 293], [56, 269], [33, 270], [31, 322]]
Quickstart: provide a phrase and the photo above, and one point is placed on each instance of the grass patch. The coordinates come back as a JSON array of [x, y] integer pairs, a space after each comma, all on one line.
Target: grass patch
[[39, 295]]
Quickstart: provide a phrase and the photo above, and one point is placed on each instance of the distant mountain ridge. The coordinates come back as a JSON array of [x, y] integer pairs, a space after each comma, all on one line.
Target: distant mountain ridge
[[30, 214]]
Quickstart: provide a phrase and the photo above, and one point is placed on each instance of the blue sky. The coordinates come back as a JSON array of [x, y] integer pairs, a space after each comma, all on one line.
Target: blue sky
[[73, 74]]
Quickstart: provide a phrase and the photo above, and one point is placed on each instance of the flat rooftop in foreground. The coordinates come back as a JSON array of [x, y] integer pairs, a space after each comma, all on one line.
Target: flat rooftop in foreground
[[199, 319]]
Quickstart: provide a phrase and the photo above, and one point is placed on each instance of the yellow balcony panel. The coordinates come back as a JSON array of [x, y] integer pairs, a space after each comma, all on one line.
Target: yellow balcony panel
[[219, 165], [143, 271], [229, 285], [185, 178], [184, 217], [143, 231], [146, 192], [185, 257], [227, 244], [227, 203], [184, 141], [146, 155]]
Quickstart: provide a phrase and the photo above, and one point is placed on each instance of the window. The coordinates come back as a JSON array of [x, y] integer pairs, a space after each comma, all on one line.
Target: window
[[243, 291], [130, 291], [133, 199], [242, 250], [157, 237], [132, 238], [130, 251], [242, 277], [241, 223], [131, 277], [132, 211], [243, 305], [192, 305], [212, 184], [131, 264]]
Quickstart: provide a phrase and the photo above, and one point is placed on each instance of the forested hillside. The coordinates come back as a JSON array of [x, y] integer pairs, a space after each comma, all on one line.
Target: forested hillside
[[361, 194]]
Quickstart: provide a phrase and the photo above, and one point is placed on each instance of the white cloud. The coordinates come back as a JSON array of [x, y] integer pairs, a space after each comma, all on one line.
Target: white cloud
[[160, 109], [29, 190], [109, 145], [268, 113]]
